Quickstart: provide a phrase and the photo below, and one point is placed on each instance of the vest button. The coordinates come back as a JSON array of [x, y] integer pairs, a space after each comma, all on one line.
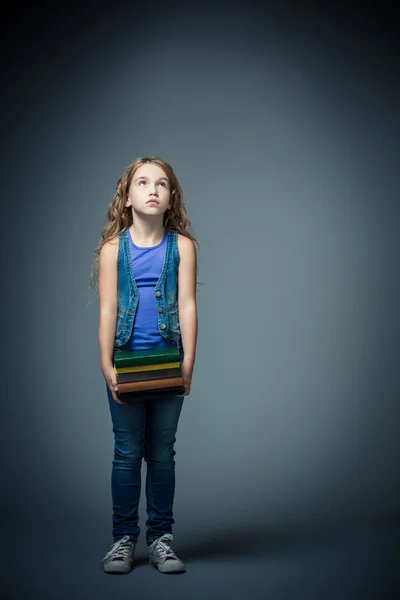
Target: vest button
[[159, 309], [158, 294], [162, 326]]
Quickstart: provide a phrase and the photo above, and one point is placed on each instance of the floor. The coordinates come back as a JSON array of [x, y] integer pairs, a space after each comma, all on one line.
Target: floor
[[318, 562]]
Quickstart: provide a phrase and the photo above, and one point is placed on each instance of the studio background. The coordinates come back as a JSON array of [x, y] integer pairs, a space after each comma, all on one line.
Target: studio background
[[282, 125]]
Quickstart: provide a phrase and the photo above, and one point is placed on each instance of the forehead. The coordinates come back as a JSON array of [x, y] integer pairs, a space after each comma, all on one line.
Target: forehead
[[150, 170]]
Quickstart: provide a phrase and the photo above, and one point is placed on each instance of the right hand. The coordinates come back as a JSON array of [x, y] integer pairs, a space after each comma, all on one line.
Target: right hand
[[111, 380]]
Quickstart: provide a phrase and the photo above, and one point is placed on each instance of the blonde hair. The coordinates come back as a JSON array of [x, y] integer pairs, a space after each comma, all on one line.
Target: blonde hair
[[119, 217]]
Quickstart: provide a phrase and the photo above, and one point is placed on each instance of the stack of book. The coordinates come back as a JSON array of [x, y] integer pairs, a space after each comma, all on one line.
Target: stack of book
[[149, 370]]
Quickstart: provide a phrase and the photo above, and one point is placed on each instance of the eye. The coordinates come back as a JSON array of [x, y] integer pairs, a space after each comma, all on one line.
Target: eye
[[142, 181], [163, 183]]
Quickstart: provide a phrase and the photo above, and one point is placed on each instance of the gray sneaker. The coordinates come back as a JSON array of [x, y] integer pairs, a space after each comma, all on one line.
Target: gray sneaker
[[163, 558], [120, 558]]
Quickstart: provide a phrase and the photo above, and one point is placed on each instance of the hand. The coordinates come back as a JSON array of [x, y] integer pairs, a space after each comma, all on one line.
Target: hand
[[111, 380], [187, 371]]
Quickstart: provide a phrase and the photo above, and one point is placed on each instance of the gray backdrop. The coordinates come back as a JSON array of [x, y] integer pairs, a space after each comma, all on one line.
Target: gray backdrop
[[282, 125]]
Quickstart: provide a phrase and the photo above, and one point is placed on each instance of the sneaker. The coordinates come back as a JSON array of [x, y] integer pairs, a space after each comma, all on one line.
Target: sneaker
[[163, 557], [120, 558]]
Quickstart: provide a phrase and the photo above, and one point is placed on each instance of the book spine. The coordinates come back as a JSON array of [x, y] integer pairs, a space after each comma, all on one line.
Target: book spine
[[172, 365], [136, 386], [137, 361], [148, 375], [174, 391]]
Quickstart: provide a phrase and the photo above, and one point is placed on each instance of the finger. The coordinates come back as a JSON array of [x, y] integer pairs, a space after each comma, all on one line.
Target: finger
[[112, 384], [117, 399], [114, 393]]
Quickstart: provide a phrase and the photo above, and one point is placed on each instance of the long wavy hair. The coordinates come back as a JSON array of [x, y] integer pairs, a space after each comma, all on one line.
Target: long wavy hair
[[119, 217]]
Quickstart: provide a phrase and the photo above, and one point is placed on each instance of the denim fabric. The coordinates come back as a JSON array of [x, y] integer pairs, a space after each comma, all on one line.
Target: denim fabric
[[166, 292], [144, 427]]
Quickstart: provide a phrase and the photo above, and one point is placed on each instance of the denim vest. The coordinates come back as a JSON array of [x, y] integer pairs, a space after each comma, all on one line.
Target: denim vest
[[166, 292]]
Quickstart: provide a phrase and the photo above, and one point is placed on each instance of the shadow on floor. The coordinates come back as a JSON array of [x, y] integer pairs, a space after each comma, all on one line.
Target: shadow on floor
[[239, 543], [233, 542], [281, 539]]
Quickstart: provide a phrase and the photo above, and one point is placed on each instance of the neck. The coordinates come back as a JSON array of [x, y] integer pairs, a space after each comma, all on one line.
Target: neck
[[147, 232]]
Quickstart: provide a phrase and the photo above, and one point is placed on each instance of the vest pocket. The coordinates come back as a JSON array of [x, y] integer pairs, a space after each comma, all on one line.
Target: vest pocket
[[173, 321]]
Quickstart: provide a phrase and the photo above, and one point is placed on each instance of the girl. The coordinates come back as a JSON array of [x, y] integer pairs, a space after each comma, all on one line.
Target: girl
[[144, 251]]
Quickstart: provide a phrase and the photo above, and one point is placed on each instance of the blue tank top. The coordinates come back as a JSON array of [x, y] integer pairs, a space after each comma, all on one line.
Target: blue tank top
[[147, 264]]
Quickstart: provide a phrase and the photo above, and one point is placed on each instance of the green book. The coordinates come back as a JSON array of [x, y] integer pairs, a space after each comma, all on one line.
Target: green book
[[137, 358]]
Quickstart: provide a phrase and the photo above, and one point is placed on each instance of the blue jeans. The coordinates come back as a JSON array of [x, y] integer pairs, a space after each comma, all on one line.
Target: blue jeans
[[144, 427]]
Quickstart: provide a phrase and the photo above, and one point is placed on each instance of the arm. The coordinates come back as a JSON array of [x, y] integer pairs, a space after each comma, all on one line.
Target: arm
[[187, 306], [108, 278]]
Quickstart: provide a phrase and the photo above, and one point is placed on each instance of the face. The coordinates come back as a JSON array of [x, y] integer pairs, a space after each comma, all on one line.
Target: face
[[149, 192]]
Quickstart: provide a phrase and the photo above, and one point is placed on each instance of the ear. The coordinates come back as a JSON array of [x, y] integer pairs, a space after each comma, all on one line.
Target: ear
[[128, 202]]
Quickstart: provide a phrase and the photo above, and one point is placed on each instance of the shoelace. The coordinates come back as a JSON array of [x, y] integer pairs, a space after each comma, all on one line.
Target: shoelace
[[121, 549], [162, 547]]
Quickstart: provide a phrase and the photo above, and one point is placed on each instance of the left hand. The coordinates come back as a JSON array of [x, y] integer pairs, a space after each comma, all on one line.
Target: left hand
[[187, 371]]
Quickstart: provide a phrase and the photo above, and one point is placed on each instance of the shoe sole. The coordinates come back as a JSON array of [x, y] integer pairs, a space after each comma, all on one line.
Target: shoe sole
[[169, 568], [117, 568]]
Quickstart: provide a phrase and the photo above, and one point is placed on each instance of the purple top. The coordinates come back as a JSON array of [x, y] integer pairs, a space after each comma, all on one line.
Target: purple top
[[147, 264]]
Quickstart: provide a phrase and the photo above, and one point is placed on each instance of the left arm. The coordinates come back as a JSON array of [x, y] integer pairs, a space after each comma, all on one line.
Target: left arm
[[187, 306]]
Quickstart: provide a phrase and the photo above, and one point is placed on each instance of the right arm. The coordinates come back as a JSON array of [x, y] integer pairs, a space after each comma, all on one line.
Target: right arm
[[108, 295]]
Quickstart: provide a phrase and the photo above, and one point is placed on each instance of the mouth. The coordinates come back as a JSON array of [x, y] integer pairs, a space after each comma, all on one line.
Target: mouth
[[152, 202]]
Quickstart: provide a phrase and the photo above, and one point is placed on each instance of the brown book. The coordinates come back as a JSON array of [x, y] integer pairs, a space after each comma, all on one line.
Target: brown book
[[137, 386]]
